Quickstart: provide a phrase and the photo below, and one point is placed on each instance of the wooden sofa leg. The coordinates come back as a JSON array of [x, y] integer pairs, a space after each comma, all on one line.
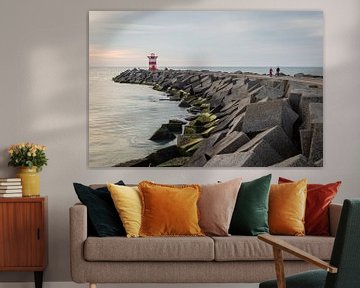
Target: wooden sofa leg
[[92, 285]]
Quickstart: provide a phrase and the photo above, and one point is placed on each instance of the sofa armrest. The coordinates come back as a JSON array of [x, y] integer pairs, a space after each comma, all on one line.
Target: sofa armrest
[[334, 217], [78, 235]]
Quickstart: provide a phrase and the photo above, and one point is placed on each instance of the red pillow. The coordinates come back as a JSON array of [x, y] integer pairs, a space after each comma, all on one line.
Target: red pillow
[[319, 197]]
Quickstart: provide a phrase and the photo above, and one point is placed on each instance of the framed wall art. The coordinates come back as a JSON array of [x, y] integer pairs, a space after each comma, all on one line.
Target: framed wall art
[[205, 88]]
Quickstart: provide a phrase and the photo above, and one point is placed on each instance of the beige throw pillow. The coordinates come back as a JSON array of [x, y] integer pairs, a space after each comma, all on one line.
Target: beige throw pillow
[[216, 205]]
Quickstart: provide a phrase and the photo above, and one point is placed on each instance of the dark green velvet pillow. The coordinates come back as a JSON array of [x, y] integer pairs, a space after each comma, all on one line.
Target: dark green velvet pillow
[[103, 218], [250, 216]]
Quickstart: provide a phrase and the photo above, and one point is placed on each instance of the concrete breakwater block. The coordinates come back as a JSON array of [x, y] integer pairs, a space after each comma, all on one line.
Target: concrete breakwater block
[[267, 91], [236, 124], [229, 117], [216, 100], [252, 84], [295, 161], [312, 138], [316, 148], [229, 144], [308, 97], [175, 162], [294, 97], [305, 141], [163, 134], [163, 155], [174, 127], [213, 88], [238, 106], [316, 113], [198, 159], [226, 112], [316, 120], [261, 155], [248, 159], [154, 159], [264, 115], [277, 139], [238, 91], [225, 121]]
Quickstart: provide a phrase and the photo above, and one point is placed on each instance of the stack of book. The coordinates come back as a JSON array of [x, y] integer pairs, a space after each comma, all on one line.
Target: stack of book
[[10, 187]]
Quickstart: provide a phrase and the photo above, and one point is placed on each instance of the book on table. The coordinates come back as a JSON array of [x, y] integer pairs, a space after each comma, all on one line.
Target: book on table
[[10, 184], [9, 195], [7, 180], [2, 188], [10, 187], [10, 191]]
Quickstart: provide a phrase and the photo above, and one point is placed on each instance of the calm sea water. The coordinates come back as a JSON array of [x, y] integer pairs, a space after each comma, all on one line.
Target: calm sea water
[[122, 117]]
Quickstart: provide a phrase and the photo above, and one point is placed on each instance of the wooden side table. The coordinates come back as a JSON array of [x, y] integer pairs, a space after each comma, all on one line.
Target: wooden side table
[[23, 235]]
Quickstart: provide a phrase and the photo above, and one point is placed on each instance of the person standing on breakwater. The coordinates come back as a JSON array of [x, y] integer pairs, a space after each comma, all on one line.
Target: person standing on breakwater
[[277, 71], [271, 72]]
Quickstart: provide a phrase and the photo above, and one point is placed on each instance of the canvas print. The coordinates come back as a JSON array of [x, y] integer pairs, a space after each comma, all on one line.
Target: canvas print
[[205, 88]]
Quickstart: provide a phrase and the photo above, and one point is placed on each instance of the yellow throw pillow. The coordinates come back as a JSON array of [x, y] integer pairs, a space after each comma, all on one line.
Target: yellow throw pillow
[[287, 204], [169, 210], [127, 201]]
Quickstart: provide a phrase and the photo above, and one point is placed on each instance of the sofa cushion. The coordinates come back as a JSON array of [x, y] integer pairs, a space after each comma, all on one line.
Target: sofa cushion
[[149, 249], [318, 199], [245, 248], [169, 210], [250, 215], [102, 216], [216, 206], [287, 204], [127, 201]]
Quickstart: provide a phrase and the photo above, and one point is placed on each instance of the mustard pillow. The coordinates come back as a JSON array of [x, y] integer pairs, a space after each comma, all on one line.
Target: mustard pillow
[[287, 204], [127, 201], [169, 210]]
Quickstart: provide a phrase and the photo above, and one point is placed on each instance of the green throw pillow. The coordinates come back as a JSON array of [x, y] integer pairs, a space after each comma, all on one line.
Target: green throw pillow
[[250, 216]]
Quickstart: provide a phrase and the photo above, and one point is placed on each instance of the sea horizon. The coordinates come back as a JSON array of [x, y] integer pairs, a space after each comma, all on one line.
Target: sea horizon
[[288, 70]]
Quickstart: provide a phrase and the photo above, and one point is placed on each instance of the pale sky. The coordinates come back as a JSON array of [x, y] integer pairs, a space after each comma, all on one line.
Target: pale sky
[[206, 38]]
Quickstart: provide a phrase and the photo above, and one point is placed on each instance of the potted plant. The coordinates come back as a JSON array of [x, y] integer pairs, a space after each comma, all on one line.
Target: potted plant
[[30, 158]]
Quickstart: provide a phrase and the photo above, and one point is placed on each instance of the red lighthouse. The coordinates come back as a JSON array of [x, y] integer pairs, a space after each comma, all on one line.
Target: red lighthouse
[[152, 62]]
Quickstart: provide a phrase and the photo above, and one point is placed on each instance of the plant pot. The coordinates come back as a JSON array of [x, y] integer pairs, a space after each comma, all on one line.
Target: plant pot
[[30, 181]]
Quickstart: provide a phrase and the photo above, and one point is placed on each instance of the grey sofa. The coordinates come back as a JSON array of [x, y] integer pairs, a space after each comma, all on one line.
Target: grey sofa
[[234, 259]]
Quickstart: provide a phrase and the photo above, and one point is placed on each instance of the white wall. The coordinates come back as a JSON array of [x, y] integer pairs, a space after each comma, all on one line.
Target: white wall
[[44, 99]]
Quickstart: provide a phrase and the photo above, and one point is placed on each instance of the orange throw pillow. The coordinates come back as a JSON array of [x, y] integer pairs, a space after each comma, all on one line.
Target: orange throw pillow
[[169, 210], [287, 204], [318, 200]]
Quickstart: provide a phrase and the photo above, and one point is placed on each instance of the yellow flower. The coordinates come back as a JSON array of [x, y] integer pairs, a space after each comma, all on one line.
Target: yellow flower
[[28, 154], [41, 147], [11, 151]]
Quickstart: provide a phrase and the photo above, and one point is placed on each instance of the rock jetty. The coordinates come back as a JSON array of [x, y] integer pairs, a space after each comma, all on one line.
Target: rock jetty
[[238, 119]]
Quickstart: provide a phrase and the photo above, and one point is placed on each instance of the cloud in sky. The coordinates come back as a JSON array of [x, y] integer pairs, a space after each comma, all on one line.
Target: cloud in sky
[[206, 38]]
